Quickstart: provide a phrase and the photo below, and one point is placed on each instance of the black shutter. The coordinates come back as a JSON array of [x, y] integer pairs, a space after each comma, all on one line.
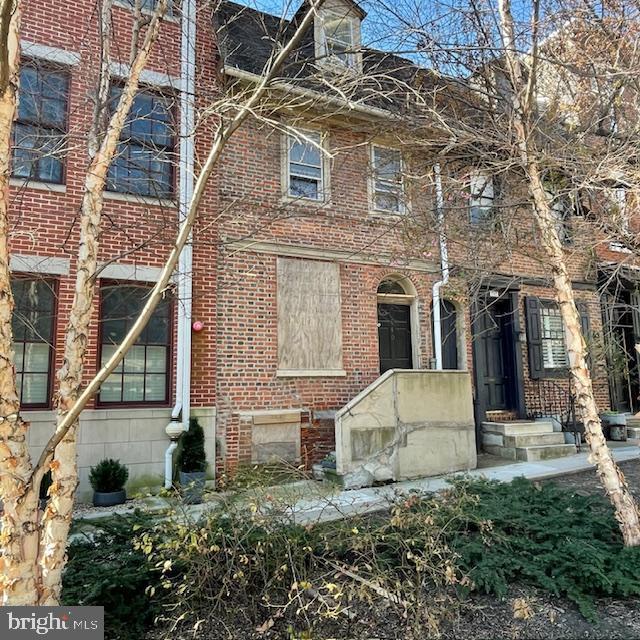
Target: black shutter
[[585, 325], [534, 339]]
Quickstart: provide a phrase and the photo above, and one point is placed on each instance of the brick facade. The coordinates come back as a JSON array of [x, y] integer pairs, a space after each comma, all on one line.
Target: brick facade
[[245, 223]]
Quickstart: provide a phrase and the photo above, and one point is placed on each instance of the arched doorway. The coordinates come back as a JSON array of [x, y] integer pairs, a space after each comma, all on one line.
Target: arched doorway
[[397, 324]]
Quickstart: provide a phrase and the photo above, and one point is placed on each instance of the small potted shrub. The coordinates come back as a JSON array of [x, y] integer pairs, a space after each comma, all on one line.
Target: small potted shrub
[[192, 463], [108, 478]]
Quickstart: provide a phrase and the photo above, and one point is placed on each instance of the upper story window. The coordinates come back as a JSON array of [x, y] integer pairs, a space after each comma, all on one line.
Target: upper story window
[[481, 197], [387, 179], [41, 124], [143, 164], [143, 376], [339, 38], [305, 166], [33, 325]]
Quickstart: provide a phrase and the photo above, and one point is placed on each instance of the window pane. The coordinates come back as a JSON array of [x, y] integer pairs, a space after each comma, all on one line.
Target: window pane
[[387, 202], [34, 388], [387, 164], [36, 357], [134, 360], [304, 188], [133, 388], [107, 351], [339, 28], [305, 152], [156, 359], [155, 387], [111, 389]]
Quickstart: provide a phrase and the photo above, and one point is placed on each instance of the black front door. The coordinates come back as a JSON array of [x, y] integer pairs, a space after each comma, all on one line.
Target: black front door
[[394, 336], [494, 355]]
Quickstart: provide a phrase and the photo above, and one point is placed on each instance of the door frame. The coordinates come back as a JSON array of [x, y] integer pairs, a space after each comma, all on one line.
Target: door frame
[[410, 299], [512, 295]]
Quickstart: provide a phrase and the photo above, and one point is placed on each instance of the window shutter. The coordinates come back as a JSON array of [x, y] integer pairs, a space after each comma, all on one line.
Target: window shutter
[[585, 325], [635, 314], [534, 339]]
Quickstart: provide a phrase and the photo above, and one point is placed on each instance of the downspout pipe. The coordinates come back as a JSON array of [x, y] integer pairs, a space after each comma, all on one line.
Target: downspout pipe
[[444, 267], [181, 411]]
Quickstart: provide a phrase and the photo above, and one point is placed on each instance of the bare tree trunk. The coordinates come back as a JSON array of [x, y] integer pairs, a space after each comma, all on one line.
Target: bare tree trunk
[[610, 475], [19, 538], [64, 472]]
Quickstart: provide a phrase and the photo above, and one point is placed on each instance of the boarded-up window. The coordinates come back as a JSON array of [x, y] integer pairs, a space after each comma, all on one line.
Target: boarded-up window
[[309, 321]]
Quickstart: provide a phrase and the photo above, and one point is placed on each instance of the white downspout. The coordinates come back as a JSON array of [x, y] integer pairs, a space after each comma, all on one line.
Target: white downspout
[[444, 266], [182, 408]]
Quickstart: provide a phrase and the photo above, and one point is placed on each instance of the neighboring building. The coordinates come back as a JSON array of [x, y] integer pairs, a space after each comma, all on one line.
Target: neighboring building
[[304, 273]]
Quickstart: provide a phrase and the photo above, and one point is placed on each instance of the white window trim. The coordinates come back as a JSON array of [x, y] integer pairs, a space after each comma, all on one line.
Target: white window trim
[[33, 50], [148, 77], [321, 48], [402, 203], [325, 183]]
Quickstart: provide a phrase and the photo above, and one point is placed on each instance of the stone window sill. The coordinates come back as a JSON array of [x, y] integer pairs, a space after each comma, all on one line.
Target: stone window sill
[[310, 373], [40, 186]]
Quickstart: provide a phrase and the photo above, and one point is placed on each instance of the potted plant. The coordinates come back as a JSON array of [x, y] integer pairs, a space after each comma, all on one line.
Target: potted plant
[[108, 478], [192, 463]]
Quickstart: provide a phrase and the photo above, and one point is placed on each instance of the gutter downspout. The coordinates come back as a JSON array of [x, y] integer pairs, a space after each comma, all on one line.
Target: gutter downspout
[[182, 408], [444, 266]]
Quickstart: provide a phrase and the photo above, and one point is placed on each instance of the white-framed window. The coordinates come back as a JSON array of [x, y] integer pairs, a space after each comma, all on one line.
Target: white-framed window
[[554, 351], [339, 38], [386, 179], [305, 166], [481, 197]]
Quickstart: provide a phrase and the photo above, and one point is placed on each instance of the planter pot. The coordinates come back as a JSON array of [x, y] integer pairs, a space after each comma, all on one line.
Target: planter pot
[[328, 464], [109, 499], [192, 486], [614, 418], [618, 432]]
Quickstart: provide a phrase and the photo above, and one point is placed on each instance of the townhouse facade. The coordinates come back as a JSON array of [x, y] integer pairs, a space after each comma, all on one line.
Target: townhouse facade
[[307, 279]]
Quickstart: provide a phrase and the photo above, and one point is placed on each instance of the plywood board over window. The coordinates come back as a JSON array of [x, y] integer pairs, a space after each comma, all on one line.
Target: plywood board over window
[[309, 318]]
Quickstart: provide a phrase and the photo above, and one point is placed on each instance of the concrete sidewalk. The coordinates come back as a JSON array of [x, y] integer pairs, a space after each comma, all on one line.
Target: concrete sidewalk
[[313, 502], [361, 501]]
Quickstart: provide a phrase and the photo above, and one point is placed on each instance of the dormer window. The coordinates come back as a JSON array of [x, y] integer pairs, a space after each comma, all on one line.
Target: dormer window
[[337, 35], [339, 38]]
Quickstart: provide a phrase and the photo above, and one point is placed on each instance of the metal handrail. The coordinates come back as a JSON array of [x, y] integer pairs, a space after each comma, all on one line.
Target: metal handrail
[[555, 401]]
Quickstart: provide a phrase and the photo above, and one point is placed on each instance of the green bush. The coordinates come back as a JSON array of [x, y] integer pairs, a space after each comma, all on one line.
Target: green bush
[[104, 569], [108, 476], [192, 457], [542, 535]]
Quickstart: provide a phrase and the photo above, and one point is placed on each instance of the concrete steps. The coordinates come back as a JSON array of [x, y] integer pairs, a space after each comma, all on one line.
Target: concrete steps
[[524, 440]]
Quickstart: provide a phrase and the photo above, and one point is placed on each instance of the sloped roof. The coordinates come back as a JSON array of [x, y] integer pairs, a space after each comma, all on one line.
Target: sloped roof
[[247, 39]]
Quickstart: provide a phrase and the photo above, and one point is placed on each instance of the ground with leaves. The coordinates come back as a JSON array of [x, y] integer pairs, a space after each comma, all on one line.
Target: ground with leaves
[[483, 560]]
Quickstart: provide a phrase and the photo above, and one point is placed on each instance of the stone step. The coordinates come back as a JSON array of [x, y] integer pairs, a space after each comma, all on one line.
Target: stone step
[[524, 427], [633, 433], [522, 439], [545, 452]]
